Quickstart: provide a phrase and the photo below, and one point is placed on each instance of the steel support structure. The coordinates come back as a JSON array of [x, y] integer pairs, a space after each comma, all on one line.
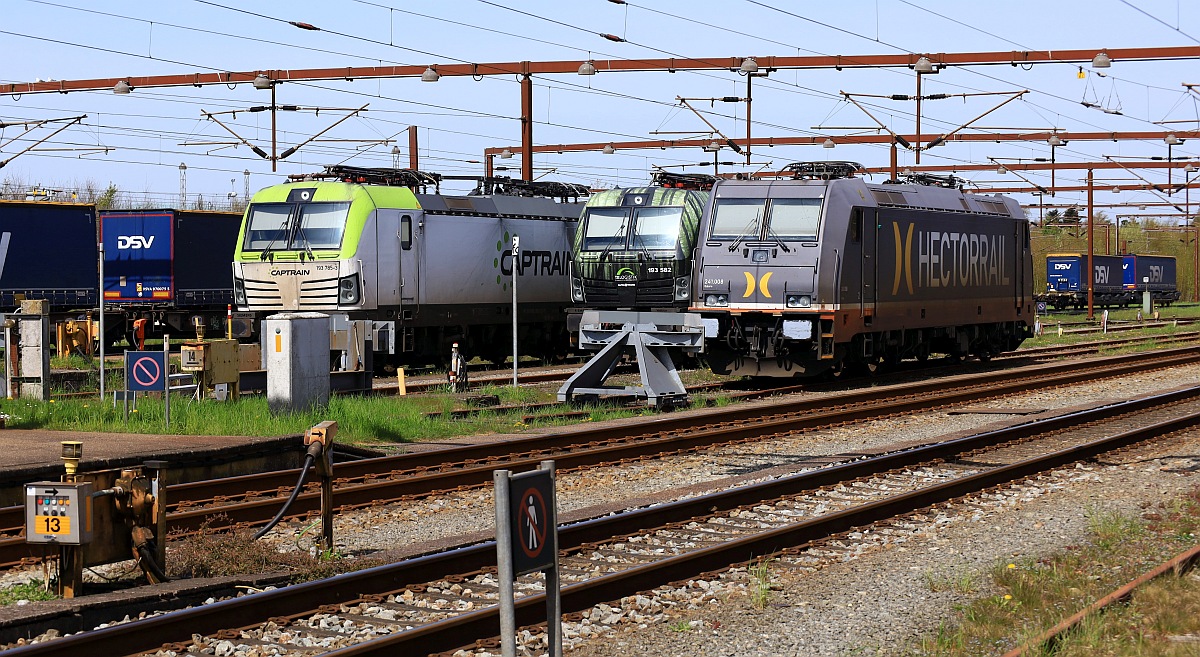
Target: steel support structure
[[527, 69]]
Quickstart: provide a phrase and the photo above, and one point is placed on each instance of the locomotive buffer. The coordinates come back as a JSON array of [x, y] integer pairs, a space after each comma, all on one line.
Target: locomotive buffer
[[652, 337]]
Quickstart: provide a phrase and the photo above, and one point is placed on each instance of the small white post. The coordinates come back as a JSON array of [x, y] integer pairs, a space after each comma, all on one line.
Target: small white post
[[101, 290], [167, 378], [504, 565], [516, 258]]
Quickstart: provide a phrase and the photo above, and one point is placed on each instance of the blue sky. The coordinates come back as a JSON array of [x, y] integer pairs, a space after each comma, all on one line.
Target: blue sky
[[459, 117]]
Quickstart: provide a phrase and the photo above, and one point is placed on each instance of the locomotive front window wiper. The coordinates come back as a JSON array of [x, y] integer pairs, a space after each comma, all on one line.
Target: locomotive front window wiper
[[746, 229], [778, 240], [303, 241], [613, 240]]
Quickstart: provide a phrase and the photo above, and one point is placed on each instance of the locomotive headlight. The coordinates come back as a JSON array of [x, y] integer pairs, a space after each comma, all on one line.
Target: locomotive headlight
[[576, 290], [798, 301], [239, 292], [683, 288], [716, 300], [348, 290]]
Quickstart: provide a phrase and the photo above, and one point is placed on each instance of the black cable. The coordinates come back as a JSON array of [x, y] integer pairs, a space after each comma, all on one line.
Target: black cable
[[146, 552], [309, 458]]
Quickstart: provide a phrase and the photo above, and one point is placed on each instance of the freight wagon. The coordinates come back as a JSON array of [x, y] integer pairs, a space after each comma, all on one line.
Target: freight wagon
[[1151, 272], [164, 266], [167, 270], [48, 251], [1067, 283], [819, 271]]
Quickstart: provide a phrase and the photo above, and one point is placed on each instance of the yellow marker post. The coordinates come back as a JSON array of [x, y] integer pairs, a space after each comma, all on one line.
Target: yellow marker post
[[400, 375]]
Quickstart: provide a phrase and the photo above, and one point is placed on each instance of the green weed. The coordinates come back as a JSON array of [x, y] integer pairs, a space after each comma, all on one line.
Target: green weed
[[32, 591], [760, 584]]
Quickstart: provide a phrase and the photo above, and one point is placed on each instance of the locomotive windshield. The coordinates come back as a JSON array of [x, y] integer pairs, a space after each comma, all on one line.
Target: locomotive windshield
[[737, 218], [295, 226], [657, 228], [652, 228], [794, 218], [605, 228], [787, 219]]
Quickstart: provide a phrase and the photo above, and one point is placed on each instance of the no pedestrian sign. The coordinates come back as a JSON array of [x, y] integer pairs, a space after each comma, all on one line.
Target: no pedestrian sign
[[532, 518], [145, 371]]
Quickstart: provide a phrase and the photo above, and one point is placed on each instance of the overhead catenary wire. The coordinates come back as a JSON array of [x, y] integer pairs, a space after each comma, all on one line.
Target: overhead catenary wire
[[570, 127]]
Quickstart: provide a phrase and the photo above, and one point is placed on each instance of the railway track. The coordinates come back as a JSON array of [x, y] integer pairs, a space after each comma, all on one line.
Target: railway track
[[446, 601], [255, 499]]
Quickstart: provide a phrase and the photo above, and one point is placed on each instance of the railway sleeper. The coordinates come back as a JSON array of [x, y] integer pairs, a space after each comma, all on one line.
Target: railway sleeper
[[623, 555], [407, 610]]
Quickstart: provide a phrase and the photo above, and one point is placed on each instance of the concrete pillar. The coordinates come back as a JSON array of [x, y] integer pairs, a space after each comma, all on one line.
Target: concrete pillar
[[296, 352], [34, 350]]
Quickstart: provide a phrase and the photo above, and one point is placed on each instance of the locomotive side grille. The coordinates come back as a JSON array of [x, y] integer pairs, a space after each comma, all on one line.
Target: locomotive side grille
[[994, 206], [885, 197]]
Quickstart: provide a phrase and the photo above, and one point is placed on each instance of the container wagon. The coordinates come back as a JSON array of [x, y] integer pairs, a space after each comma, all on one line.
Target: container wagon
[[423, 270], [1151, 272], [167, 270], [49, 251], [819, 271], [1067, 285]]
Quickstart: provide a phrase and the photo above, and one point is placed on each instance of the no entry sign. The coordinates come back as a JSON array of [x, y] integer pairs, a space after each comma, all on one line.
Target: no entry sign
[[145, 371]]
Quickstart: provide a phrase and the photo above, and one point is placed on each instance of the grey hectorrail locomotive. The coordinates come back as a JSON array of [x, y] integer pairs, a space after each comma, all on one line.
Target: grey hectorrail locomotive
[[819, 270]]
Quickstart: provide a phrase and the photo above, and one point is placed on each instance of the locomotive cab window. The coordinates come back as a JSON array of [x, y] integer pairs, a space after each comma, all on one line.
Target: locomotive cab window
[[787, 219], [657, 228], [267, 226], [288, 226], [794, 219], [320, 226], [605, 228], [406, 232], [737, 218]]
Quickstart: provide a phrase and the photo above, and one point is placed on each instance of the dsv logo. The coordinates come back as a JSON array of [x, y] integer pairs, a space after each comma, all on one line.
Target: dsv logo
[[134, 241], [762, 284], [1059, 266]]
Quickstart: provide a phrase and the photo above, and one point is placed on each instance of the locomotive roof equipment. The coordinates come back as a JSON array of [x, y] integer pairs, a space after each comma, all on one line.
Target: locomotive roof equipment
[[823, 170], [701, 182]]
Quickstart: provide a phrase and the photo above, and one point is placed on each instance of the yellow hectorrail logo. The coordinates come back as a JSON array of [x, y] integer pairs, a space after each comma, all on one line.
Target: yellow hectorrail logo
[[903, 252], [762, 284]]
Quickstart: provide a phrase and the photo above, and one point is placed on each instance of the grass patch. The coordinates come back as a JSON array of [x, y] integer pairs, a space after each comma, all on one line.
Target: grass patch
[[962, 583], [760, 584], [361, 420], [1035, 594], [32, 591]]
